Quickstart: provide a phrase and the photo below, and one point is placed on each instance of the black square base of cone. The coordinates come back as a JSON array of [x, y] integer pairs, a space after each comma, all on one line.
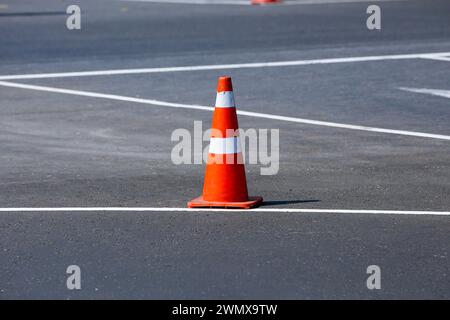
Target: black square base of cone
[[201, 203]]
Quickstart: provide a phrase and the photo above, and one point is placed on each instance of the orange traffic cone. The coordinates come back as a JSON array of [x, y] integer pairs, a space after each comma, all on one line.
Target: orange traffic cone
[[265, 1], [225, 182]]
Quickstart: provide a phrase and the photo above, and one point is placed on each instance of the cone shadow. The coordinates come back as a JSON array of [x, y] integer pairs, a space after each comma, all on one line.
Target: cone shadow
[[281, 202]]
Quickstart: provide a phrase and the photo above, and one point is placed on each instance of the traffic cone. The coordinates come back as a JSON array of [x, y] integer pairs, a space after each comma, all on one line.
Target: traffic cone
[[265, 1], [225, 182]]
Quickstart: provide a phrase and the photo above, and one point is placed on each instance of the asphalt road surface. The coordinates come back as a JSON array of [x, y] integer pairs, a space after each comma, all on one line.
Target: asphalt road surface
[[81, 149]]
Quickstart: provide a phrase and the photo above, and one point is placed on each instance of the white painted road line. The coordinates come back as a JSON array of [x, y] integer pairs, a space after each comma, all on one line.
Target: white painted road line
[[208, 2], [248, 2], [434, 92], [104, 96], [166, 209], [224, 66], [240, 112], [438, 57], [300, 2]]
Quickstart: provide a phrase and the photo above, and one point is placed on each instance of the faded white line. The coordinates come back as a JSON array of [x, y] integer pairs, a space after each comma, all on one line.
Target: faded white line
[[208, 2], [223, 66], [248, 2], [300, 2], [166, 209], [241, 112], [438, 58], [434, 92]]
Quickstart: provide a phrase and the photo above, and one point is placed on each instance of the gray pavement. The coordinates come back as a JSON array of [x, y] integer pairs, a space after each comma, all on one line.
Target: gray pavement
[[59, 150]]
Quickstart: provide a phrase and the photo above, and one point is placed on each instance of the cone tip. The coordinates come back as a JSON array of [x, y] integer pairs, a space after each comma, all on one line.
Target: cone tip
[[224, 84]]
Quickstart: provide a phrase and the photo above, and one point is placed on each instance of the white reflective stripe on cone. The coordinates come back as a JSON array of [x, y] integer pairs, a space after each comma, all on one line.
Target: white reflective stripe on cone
[[225, 145], [225, 99]]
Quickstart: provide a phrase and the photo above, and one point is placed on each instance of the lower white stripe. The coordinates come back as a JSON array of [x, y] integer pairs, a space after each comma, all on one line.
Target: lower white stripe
[[166, 209], [225, 99], [225, 145], [239, 112]]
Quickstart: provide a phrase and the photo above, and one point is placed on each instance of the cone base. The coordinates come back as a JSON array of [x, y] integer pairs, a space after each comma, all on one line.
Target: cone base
[[200, 203]]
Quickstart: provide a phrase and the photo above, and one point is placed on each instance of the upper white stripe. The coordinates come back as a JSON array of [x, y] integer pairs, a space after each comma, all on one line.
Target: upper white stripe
[[225, 66], [225, 145], [225, 99]]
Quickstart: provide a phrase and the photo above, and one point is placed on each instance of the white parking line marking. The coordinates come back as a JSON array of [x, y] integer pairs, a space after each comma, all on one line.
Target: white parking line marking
[[299, 2], [104, 96], [224, 66], [248, 2], [166, 209], [241, 112], [434, 92], [221, 2], [437, 57]]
